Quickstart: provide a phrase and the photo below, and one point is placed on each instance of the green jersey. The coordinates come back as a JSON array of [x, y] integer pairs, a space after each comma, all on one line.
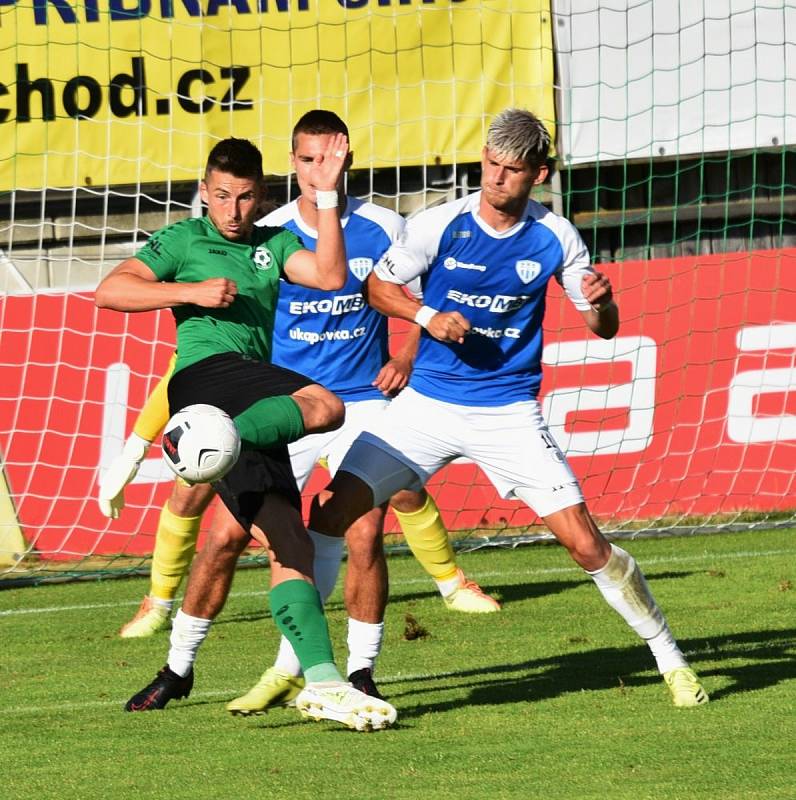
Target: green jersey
[[193, 250]]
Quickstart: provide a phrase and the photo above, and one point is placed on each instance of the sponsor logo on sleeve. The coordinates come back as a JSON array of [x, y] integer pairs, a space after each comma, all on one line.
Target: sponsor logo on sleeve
[[385, 262]]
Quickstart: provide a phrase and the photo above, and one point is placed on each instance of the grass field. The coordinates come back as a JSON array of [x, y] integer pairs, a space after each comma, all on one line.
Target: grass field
[[551, 698]]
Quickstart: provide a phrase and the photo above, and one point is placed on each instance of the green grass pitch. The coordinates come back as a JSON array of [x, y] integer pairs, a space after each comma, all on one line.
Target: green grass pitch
[[552, 698]]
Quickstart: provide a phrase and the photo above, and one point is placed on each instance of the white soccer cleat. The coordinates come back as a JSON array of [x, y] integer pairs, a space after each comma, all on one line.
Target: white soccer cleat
[[341, 702], [122, 470]]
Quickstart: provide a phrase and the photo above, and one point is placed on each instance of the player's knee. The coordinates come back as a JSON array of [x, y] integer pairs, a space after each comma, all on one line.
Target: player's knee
[[578, 532], [336, 508], [321, 409], [190, 501], [329, 518], [407, 501], [589, 553], [226, 541], [364, 537]]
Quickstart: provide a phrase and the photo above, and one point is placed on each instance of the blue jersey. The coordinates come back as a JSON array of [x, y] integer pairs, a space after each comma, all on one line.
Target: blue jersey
[[336, 338], [498, 281]]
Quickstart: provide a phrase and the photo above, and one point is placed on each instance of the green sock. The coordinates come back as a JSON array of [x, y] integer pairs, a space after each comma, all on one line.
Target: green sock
[[298, 613], [271, 421]]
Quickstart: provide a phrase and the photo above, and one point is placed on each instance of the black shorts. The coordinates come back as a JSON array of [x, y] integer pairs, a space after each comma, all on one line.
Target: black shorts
[[233, 382]]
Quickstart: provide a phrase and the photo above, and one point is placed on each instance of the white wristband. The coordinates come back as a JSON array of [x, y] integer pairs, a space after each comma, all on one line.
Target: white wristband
[[326, 199], [424, 315]]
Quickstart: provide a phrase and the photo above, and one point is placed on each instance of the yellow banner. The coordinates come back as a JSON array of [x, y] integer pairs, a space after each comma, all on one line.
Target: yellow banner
[[97, 92]]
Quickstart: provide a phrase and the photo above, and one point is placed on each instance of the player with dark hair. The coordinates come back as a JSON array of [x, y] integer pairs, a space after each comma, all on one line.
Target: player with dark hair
[[484, 262], [220, 275], [342, 343]]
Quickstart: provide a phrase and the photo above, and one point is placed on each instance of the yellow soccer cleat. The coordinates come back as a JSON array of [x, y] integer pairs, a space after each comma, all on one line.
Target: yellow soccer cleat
[[341, 702], [685, 687], [470, 598], [150, 618], [275, 688]]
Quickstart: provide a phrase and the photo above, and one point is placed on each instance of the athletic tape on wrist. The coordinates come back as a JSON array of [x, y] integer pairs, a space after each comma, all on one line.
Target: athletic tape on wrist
[[325, 199], [424, 315]]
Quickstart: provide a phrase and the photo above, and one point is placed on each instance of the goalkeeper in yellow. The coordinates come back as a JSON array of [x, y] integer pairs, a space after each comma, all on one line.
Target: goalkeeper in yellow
[[341, 342]]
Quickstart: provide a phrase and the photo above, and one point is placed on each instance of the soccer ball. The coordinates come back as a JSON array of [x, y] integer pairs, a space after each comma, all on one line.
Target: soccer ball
[[201, 443]]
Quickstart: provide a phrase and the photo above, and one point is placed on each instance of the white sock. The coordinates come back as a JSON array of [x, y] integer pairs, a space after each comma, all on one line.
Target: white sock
[[364, 644], [448, 586], [161, 603], [624, 588], [326, 564], [667, 654], [286, 659], [187, 633]]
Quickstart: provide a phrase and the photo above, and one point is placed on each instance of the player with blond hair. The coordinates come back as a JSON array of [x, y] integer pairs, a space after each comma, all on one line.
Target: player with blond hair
[[484, 262]]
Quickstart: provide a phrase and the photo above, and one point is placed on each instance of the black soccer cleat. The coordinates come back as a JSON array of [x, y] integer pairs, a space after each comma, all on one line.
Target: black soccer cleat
[[362, 679], [167, 686]]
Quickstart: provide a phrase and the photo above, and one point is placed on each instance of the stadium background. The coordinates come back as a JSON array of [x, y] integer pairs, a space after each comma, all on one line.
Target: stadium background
[[675, 130]]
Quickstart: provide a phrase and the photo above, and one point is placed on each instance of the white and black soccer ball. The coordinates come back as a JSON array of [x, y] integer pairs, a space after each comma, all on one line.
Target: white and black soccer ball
[[201, 443]]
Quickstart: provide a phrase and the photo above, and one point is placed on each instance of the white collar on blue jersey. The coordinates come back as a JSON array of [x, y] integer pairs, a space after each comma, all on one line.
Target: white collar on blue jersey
[[488, 229]]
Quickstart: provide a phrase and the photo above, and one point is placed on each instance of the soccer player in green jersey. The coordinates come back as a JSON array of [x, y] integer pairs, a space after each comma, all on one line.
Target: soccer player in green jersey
[[220, 274]]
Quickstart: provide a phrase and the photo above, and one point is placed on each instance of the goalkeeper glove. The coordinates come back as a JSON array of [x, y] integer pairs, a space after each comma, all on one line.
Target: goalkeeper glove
[[122, 470]]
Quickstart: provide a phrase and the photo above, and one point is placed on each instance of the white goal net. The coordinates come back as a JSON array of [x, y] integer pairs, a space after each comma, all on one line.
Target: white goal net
[[686, 421]]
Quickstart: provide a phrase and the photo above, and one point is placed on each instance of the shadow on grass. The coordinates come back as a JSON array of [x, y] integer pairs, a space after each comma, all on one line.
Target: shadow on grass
[[767, 655], [505, 592]]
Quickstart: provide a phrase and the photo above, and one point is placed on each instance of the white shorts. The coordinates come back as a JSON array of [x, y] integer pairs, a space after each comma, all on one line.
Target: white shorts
[[511, 444], [330, 447]]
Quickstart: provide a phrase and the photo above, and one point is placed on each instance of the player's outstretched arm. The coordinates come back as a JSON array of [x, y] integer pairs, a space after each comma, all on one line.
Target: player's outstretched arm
[[132, 286]]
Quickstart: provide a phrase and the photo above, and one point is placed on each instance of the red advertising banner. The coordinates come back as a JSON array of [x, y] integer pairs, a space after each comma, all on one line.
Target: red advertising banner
[[691, 410]]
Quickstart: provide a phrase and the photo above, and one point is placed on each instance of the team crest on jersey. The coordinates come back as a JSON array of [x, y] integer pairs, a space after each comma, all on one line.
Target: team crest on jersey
[[361, 267], [527, 270], [262, 258]]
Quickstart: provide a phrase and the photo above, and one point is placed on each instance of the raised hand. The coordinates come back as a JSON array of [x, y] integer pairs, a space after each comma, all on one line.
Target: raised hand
[[325, 172]]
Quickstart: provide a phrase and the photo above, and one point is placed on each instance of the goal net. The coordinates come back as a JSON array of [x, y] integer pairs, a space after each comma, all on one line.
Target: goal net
[[675, 159]]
